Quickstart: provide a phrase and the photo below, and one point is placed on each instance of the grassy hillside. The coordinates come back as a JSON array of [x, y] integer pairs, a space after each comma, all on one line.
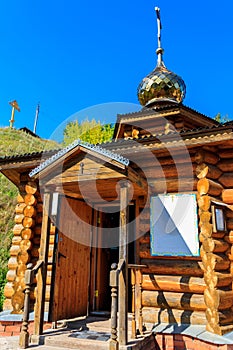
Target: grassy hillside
[[13, 142]]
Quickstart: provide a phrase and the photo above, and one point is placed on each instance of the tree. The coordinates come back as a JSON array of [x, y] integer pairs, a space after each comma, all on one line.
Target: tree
[[222, 119], [90, 131]]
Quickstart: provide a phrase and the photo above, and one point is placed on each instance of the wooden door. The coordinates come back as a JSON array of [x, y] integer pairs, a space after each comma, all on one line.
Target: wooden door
[[72, 260]]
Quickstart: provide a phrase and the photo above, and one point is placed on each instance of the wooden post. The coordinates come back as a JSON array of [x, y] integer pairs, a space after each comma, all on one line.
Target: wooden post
[[24, 335], [133, 282], [113, 344], [123, 275], [139, 304], [41, 277]]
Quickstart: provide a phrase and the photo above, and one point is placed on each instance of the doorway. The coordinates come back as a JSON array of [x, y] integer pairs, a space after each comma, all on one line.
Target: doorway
[[103, 258]]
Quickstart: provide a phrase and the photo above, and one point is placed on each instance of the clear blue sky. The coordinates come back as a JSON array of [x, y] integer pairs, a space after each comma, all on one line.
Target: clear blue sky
[[72, 54]]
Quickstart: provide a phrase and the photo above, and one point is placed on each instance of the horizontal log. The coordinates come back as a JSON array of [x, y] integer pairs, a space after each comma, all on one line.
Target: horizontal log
[[10, 276], [12, 263], [8, 290], [17, 229], [215, 279], [216, 246], [19, 208], [205, 231], [218, 235], [204, 202], [19, 283], [7, 304], [14, 250], [29, 211], [227, 196], [206, 186], [173, 185], [30, 199], [213, 324], [218, 262], [229, 224], [20, 198], [23, 257], [25, 244], [204, 217], [229, 213], [21, 268], [28, 222], [206, 157], [16, 240], [225, 153], [31, 187], [170, 170], [19, 218], [218, 299], [226, 180], [225, 317], [173, 267], [155, 315], [171, 300], [228, 238], [27, 233], [18, 301], [173, 283], [219, 322], [226, 165], [210, 171]]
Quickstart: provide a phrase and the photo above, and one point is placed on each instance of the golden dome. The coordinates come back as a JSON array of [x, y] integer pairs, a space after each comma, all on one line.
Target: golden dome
[[161, 84]]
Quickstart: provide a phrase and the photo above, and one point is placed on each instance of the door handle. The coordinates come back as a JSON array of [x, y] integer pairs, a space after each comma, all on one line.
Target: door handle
[[60, 255]]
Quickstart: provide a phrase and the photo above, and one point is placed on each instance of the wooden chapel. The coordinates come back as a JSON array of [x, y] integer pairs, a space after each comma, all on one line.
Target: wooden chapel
[[167, 163]]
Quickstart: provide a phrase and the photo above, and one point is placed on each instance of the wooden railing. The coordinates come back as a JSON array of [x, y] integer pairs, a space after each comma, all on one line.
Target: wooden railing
[[137, 318], [136, 283], [30, 274]]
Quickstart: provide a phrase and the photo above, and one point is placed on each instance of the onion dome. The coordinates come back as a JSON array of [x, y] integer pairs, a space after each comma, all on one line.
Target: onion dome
[[161, 84]]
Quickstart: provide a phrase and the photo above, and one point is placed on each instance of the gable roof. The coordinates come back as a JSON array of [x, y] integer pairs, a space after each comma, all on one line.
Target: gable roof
[[100, 152], [170, 112]]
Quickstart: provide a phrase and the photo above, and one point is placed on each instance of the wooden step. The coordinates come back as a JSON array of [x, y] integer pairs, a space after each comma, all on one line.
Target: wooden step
[[64, 341]]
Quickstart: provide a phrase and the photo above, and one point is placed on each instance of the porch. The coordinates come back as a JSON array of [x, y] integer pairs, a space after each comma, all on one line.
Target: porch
[[87, 332]]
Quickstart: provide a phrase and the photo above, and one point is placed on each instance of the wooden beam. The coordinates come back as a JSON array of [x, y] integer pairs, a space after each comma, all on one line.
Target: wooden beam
[[123, 275], [41, 276]]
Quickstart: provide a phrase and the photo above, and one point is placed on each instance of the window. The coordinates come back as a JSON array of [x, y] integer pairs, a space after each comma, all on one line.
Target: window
[[174, 225], [218, 219]]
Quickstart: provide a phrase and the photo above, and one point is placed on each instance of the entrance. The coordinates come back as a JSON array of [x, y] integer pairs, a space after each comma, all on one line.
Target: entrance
[[102, 258], [81, 276], [70, 298]]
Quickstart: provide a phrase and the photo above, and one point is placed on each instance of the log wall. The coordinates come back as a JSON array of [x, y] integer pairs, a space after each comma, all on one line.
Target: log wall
[[25, 245], [194, 290]]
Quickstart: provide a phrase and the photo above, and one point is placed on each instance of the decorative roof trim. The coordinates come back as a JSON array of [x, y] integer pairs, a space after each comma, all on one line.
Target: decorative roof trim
[[27, 156], [119, 158], [152, 110]]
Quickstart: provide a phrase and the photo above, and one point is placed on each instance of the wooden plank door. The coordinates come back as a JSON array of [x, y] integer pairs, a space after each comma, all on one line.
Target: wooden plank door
[[72, 260]]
